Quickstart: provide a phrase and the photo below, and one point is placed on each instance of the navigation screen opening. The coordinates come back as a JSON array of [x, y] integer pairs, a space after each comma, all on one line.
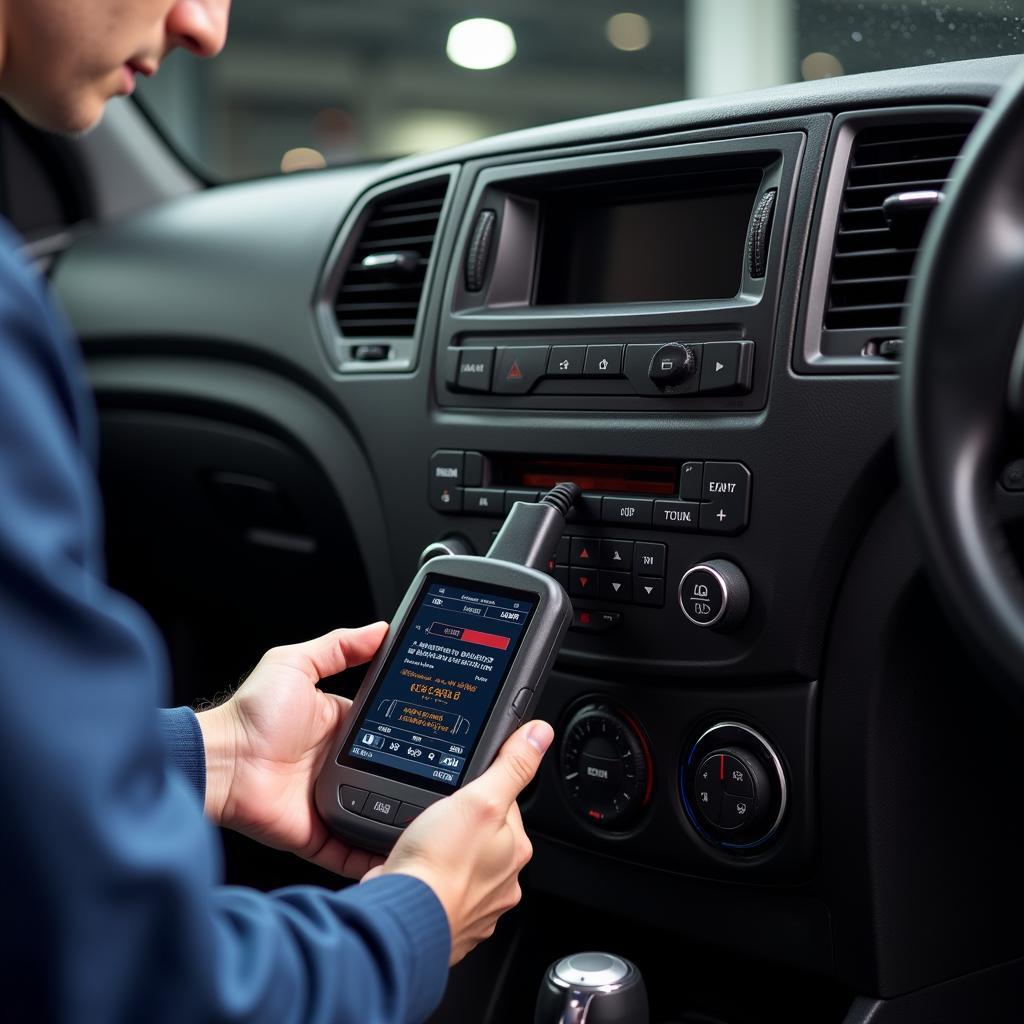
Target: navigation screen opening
[[424, 718]]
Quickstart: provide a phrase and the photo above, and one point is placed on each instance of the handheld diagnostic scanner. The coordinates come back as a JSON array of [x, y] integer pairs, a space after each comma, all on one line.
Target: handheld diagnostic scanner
[[460, 668]]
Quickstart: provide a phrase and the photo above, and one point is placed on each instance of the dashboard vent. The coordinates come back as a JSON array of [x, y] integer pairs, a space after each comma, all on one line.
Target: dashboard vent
[[380, 291], [877, 241]]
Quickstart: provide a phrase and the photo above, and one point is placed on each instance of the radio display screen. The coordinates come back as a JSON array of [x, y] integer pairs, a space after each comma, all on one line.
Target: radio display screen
[[422, 722], [597, 247]]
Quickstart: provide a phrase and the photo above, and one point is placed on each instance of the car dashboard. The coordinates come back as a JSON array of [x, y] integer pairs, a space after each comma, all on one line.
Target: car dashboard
[[695, 312]]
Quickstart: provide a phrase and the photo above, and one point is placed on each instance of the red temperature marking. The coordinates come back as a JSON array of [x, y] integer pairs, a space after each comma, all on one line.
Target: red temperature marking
[[474, 636]]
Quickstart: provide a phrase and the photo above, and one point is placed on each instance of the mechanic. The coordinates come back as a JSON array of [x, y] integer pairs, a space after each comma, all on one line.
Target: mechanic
[[112, 904]]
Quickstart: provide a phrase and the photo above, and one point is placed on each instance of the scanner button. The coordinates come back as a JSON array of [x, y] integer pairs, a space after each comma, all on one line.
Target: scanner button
[[381, 808], [352, 799], [522, 702], [407, 813]]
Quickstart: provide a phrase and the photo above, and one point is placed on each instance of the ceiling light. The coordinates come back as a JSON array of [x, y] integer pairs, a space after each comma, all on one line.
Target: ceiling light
[[628, 31], [302, 159], [481, 44]]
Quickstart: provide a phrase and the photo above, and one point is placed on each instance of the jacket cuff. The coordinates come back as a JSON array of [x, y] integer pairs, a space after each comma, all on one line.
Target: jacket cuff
[[183, 741], [418, 914]]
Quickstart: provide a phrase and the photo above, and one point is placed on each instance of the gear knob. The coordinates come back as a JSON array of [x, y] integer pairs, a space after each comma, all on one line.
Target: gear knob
[[592, 988]]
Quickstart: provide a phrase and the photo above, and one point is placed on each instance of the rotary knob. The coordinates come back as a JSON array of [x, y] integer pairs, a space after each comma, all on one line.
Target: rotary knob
[[733, 786], [714, 594], [672, 364], [605, 766]]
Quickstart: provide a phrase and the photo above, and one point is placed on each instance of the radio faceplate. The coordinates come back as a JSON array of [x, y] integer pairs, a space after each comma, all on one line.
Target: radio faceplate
[[561, 275]]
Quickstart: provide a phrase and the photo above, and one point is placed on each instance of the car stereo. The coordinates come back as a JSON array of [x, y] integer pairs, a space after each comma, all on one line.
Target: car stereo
[[642, 279]]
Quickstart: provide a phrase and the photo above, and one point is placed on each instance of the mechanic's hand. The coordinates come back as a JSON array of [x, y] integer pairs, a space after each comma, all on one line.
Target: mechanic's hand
[[265, 747], [470, 847]]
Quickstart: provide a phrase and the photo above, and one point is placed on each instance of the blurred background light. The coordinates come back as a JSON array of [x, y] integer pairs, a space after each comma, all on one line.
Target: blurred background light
[[481, 44], [302, 159], [821, 65], [628, 31]]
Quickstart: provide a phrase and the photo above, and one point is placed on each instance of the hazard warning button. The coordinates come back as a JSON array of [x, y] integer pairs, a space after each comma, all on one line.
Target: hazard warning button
[[519, 369]]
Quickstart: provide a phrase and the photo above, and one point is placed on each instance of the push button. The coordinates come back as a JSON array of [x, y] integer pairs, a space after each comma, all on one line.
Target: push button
[[473, 469], [628, 511], [616, 586], [446, 478], [566, 361], [616, 554], [352, 799], [381, 808], [589, 621], [726, 497], [649, 590], [484, 501], [518, 369], [562, 551], [521, 702], [702, 596], [676, 515], [691, 481], [583, 582], [407, 814], [475, 367], [726, 367], [603, 361], [584, 551], [650, 560]]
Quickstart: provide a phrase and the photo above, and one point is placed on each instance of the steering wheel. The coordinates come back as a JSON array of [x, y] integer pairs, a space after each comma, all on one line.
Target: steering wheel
[[962, 387]]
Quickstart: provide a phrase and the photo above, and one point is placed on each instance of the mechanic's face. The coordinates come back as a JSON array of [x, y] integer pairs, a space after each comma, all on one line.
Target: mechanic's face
[[63, 59]]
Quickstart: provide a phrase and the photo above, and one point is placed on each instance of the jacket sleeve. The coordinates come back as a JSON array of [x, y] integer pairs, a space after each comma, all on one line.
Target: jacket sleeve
[[183, 741], [113, 907]]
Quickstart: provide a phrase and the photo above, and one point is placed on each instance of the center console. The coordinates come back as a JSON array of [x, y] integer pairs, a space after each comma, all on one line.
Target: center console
[[602, 293]]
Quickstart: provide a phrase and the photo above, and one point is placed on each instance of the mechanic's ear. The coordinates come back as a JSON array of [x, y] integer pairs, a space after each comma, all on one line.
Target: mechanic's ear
[[199, 26]]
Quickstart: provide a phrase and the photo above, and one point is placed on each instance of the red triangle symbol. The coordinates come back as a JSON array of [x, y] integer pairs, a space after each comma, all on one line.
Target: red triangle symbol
[[584, 554], [514, 373], [584, 580]]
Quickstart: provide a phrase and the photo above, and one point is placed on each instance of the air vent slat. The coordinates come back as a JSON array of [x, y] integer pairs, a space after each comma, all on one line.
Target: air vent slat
[[872, 264], [384, 300], [397, 242]]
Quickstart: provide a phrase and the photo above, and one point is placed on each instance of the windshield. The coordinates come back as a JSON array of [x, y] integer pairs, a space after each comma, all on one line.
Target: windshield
[[307, 83]]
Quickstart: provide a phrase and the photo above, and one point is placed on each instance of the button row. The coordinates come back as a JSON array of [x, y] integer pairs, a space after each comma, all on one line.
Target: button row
[[607, 585], [718, 367], [714, 497], [372, 805], [384, 809], [622, 555]]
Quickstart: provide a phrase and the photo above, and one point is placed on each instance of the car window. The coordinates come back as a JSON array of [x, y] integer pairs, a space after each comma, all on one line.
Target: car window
[[309, 83]]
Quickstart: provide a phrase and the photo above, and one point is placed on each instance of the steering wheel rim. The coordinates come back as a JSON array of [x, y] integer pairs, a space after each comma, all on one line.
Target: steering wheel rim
[[960, 384]]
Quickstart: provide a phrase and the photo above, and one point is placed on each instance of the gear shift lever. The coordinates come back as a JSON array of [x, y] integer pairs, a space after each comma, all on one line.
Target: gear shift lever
[[592, 988]]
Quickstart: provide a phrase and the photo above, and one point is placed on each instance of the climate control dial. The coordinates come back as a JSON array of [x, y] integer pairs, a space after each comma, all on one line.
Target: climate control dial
[[733, 786], [605, 766]]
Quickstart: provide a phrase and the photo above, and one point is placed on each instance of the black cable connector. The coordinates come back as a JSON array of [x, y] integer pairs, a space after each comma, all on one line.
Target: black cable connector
[[532, 530]]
